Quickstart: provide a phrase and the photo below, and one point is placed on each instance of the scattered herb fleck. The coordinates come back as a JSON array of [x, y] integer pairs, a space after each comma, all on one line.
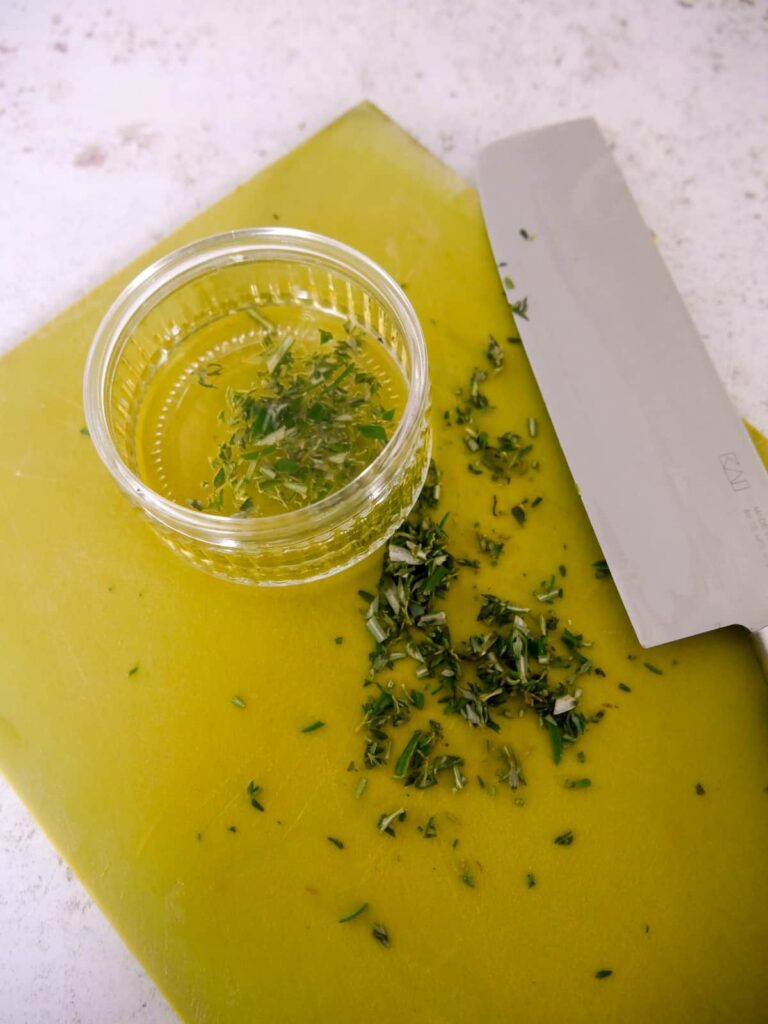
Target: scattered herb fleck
[[653, 668], [85, 431], [494, 353], [314, 726], [386, 822], [700, 789], [578, 783], [508, 282], [530, 879], [625, 688], [467, 878], [520, 308], [526, 235], [239, 702], [336, 842], [360, 788], [132, 671], [381, 935], [519, 513], [564, 839], [601, 569], [253, 791], [355, 913], [339, 640], [232, 828], [429, 830], [604, 973]]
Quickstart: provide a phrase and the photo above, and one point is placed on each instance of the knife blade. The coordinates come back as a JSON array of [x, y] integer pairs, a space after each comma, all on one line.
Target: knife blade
[[673, 486]]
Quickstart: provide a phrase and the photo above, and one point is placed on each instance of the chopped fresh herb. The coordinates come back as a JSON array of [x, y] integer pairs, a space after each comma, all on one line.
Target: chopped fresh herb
[[520, 308], [232, 828], [336, 842], [604, 973], [204, 374], [360, 788], [564, 839], [253, 790], [467, 878], [239, 702], [556, 739], [653, 668], [85, 431], [508, 282], [417, 699], [700, 789], [494, 353], [325, 337], [355, 913], [533, 426], [339, 640], [313, 727], [455, 843], [374, 430], [536, 502], [386, 822], [525, 234], [428, 831], [625, 688], [490, 547], [132, 671], [530, 879], [381, 935], [578, 783], [601, 569], [519, 513]]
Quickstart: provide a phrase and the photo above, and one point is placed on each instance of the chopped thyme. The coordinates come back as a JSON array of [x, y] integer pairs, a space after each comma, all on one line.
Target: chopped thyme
[[360, 788], [625, 688], [604, 973], [578, 783], [355, 913], [519, 513], [336, 842], [133, 670], [653, 668], [314, 726], [239, 702], [520, 308], [581, 757], [204, 374], [700, 791], [339, 640], [508, 282], [381, 935], [565, 839], [536, 501], [530, 879], [85, 431]]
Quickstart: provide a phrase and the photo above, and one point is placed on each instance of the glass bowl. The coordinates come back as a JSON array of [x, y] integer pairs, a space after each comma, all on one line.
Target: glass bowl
[[270, 274]]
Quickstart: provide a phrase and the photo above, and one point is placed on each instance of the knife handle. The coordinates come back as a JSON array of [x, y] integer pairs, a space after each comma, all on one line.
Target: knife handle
[[760, 640]]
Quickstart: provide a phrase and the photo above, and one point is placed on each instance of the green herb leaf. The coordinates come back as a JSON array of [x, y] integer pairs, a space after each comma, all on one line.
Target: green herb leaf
[[577, 783], [565, 839], [530, 879], [336, 842], [313, 727], [381, 935], [374, 430], [132, 671], [325, 337], [604, 973], [239, 702], [360, 789], [601, 568], [653, 668]]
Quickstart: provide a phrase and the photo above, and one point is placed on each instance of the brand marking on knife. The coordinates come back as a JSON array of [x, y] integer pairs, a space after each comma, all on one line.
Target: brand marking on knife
[[734, 474]]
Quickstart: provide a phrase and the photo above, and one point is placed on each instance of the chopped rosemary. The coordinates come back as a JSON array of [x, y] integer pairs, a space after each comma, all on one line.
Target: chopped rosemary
[[564, 839], [605, 972], [520, 308], [494, 353], [653, 668], [578, 783], [386, 822], [490, 547], [601, 569], [625, 688], [429, 830], [253, 790], [519, 514], [314, 726], [381, 935], [355, 913], [239, 702], [133, 670], [360, 788], [336, 842], [312, 419]]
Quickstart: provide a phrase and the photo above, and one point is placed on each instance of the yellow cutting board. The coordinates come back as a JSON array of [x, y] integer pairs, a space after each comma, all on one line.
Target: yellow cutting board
[[139, 778]]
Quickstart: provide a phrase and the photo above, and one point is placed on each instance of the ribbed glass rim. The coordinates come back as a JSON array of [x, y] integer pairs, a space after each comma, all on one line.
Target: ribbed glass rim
[[194, 260]]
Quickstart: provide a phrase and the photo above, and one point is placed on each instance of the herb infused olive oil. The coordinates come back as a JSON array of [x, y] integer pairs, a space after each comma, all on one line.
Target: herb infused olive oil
[[252, 418]]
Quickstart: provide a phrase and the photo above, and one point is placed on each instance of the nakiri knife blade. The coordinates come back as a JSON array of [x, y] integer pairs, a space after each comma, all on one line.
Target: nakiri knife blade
[[669, 477]]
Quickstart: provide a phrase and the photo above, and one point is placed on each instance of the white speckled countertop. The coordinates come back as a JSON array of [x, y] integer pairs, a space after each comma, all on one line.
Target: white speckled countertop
[[119, 121]]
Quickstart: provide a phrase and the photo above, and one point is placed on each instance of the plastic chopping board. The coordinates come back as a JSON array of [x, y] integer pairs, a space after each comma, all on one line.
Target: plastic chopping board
[[119, 665]]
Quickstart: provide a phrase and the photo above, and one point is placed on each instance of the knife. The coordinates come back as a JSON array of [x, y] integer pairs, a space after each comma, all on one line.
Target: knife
[[669, 477]]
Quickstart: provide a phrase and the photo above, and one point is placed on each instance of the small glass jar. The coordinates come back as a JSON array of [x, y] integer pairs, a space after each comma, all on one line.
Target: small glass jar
[[267, 272]]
